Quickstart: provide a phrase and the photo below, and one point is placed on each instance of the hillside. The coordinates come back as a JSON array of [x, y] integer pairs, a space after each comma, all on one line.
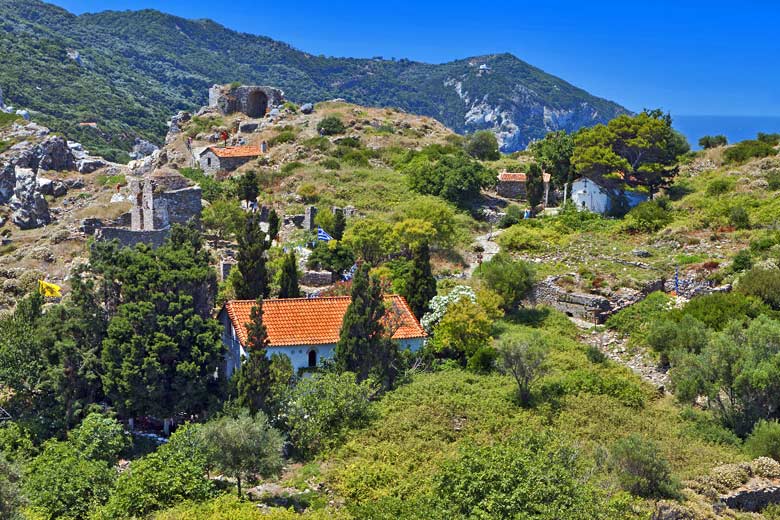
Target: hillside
[[129, 71]]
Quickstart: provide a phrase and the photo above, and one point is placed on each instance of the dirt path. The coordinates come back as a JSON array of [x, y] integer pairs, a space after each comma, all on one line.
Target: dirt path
[[489, 249]]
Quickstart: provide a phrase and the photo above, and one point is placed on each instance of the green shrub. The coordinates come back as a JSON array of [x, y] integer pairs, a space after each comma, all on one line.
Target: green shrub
[[483, 145], [713, 141], [742, 261], [331, 125], [719, 187], [773, 180], [308, 192], [641, 469], [514, 214], [355, 158], [718, 309], [746, 150], [510, 279], [7, 119], [764, 441], [330, 164], [285, 136], [290, 167], [349, 142], [771, 139], [738, 217], [318, 143], [100, 437], [636, 318], [483, 360], [647, 217], [289, 105], [762, 283], [594, 354]]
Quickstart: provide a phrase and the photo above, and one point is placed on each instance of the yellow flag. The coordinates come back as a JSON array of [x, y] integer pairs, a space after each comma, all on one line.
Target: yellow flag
[[49, 290]]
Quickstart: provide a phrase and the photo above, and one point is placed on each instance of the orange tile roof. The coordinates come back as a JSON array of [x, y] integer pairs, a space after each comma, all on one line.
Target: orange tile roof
[[235, 151], [313, 321], [511, 177]]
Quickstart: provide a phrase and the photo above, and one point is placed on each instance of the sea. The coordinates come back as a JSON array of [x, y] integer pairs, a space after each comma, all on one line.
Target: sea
[[735, 128]]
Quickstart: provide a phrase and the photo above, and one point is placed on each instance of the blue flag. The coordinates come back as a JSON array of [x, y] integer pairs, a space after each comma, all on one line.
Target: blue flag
[[323, 235]]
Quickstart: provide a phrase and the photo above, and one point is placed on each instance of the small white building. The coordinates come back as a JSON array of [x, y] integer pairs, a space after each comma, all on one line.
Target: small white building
[[306, 330], [599, 196]]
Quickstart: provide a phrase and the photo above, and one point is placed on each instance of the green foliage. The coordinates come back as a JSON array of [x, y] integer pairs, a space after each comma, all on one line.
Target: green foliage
[[554, 154], [647, 217], [170, 475], [446, 172], [224, 218], [248, 188], [747, 150], [534, 476], [285, 136], [645, 146], [253, 383], [718, 309], [308, 192], [288, 284], [742, 261], [764, 440], [641, 469], [510, 279], [333, 256], [739, 218], [321, 408], [772, 139], [162, 322], [11, 498], [713, 141], [369, 239], [100, 437], [762, 283], [483, 145], [514, 214], [636, 318], [244, 446], [719, 187], [330, 163], [331, 125], [290, 167], [439, 213], [339, 224], [464, 330], [211, 188], [252, 247], [522, 355], [420, 285], [62, 483], [666, 336]]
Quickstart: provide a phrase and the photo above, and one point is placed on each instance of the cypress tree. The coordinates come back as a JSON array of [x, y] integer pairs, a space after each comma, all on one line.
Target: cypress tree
[[247, 186], [339, 224], [288, 284], [274, 224], [420, 283], [361, 331], [254, 377], [252, 245]]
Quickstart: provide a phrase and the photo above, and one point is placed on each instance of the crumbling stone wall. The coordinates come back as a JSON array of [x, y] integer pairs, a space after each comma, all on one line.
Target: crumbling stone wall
[[251, 100], [177, 207], [511, 189], [129, 238]]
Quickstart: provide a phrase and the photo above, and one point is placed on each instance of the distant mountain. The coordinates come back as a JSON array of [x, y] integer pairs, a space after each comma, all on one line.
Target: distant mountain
[[130, 71]]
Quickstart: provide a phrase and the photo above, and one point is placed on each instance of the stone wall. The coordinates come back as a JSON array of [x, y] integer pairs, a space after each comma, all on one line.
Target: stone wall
[[129, 238], [511, 189], [316, 278], [177, 207], [251, 100], [587, 307]]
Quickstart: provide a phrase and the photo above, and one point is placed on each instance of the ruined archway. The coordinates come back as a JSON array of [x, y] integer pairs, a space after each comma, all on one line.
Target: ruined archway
[[256, 104]]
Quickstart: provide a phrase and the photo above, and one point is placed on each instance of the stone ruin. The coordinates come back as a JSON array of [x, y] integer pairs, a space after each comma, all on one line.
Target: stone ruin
[[253, 101], [158, 202]]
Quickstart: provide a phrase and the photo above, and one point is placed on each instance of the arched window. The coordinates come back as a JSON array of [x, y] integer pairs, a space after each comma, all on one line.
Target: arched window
[[312, 358]]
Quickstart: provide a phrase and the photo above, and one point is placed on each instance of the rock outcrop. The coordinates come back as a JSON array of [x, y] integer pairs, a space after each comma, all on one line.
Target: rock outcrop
[[30, 209]]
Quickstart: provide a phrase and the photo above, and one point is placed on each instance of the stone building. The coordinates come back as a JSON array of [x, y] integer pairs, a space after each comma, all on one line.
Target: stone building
[[603, 196], [217, 159], [511, 185], [254, 101]]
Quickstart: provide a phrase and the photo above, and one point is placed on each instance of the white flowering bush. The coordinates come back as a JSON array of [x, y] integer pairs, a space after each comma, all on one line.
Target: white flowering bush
[[439, 304]]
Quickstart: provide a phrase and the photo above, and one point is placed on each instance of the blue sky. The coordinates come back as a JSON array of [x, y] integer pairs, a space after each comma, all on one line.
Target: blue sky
[[690, 57]]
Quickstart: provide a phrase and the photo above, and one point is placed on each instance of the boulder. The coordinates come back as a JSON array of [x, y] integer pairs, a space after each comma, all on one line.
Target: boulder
[[248, 128], [77, 149], [54, 154], [7, 182], [307, 108], [88, 226], [59, 189], [30, 209], [90, 164], [24, 113], [274, 112], [45, 186], [142, 148], [73, 184]]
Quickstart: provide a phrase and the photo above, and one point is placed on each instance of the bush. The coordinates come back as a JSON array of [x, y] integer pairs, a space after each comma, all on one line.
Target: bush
[[483, 145], [285, 136], [10, 496], [647, 217], [636, 318], [318, 143], [349, 142], [742, 261], [308, 192], [763, 283], [641, 469], [514, 214], [290, 167], [330, 164], [718, 309], [771, 139], [320, 408], [331, 125], [764, 441], [510, 279], [713, 141], [746, 150], [99, 437], [773, 180], [718, 187], [483, 360], [738, 217], [355, 158]]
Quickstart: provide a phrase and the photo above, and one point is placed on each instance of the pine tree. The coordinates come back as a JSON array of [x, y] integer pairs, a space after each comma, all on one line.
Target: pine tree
[[361, 331], [274, 224], [254, 377], [339, 224], [420, 284], [252, 245], [288, 284], [247, 187]]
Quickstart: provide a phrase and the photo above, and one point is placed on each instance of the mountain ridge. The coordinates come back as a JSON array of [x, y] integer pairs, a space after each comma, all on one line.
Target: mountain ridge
[[151, 64]]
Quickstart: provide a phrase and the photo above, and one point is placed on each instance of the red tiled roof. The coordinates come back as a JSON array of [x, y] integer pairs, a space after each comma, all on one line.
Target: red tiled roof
[[511, 177], [235, 151], [314, 321]]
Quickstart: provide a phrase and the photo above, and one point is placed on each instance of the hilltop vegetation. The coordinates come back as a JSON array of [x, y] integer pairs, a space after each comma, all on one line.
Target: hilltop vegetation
[[136, 69]]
